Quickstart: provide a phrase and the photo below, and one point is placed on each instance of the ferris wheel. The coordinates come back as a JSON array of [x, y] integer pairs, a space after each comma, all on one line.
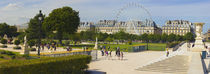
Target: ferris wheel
[[132, 24]]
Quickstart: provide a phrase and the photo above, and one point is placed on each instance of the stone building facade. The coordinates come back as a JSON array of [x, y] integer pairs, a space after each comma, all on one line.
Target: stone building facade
[[132, 27], [178, 27]]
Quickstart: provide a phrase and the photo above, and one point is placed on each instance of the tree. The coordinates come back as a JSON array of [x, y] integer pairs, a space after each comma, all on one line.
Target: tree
[[171, 37], [164, 37], [157, 37], [88, 35], [102, 36], [33, 29], [31, 43], [63, 20], [189, 36], [17, 42], [109, 39], [144, 37], [121, 35], [3, 41], [179, 38], [10, 31]]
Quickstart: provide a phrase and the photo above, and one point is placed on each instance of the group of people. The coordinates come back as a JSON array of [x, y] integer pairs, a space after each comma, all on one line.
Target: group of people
[[108, 52], [49, 46]]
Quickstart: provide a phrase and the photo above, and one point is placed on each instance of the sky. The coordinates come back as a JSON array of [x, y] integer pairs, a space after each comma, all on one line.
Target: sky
[[17, 12]]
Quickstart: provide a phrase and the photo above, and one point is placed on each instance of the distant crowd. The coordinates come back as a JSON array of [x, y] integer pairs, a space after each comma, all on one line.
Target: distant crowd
[[106, 51]]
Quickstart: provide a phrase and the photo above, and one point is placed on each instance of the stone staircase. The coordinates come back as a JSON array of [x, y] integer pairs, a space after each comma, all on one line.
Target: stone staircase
[[178, 52], [178, 64]]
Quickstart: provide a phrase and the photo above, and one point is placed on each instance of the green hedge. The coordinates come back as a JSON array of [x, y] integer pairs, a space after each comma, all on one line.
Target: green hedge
[[75, 64]]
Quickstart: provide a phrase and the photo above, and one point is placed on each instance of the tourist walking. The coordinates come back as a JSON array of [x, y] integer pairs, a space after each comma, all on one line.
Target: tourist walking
[[102, 52], [118, 53], [42, 47], [107, 54], [68, 48], [193, 45], [121, 55], [48, 46], [167, 52], [110, 53], [55, 48]]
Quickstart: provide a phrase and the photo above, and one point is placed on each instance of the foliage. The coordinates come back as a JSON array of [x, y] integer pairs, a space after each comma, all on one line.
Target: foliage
[[88, 35], [10, 31], [32, 49], [35, 30], [75, 64], [8, 52], [189, 36], [17, 47], [171, 37], [121, 35], [62, 20], [31, 43], [164, 37], [144, 37], [21, 36], [17, 42], [3, 41], [109, 39]]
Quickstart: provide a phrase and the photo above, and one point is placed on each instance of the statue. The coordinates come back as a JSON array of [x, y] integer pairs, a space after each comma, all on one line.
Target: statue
[[26, 51], [5, 36]]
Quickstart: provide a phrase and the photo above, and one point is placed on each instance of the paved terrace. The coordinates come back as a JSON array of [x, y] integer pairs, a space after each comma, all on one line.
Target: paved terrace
[[149, 62]]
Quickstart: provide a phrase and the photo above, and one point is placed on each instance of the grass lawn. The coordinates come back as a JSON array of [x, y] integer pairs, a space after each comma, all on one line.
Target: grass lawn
[[8, 55], [152, 46]]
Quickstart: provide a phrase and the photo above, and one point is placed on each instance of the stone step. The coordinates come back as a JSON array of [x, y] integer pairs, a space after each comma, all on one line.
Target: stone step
[[178, 64]]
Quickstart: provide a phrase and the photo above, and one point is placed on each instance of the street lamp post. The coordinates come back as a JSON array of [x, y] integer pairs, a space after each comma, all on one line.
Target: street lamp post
[[40, 18], [147, 40]]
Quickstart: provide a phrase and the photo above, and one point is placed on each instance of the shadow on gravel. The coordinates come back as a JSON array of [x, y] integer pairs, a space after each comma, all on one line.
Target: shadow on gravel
[[94, 72]]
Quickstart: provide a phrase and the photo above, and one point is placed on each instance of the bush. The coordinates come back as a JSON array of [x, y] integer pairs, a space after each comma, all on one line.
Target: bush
[[32, 49], [130, 42], [3, 46], [8, 52], [17, 47], [17, 42], [1, 56], [3, 41], [75, 64], [31, 43]]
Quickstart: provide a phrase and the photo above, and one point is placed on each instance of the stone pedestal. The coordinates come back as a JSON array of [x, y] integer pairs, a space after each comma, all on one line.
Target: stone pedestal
[[198, 45], [96, 44]]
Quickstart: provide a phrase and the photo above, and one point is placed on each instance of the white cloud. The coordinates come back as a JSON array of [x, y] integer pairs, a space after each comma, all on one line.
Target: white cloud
[[11, 7]]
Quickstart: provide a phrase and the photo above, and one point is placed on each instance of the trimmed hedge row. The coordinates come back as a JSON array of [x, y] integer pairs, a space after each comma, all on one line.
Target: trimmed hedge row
[[74, 64]]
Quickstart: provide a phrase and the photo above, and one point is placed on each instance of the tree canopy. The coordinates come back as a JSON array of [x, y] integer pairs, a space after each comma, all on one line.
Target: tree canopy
[[10, 31], [62, 20]]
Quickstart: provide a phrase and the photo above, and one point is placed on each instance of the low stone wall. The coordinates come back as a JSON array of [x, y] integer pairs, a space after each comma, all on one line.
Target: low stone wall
[[66, 54]]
